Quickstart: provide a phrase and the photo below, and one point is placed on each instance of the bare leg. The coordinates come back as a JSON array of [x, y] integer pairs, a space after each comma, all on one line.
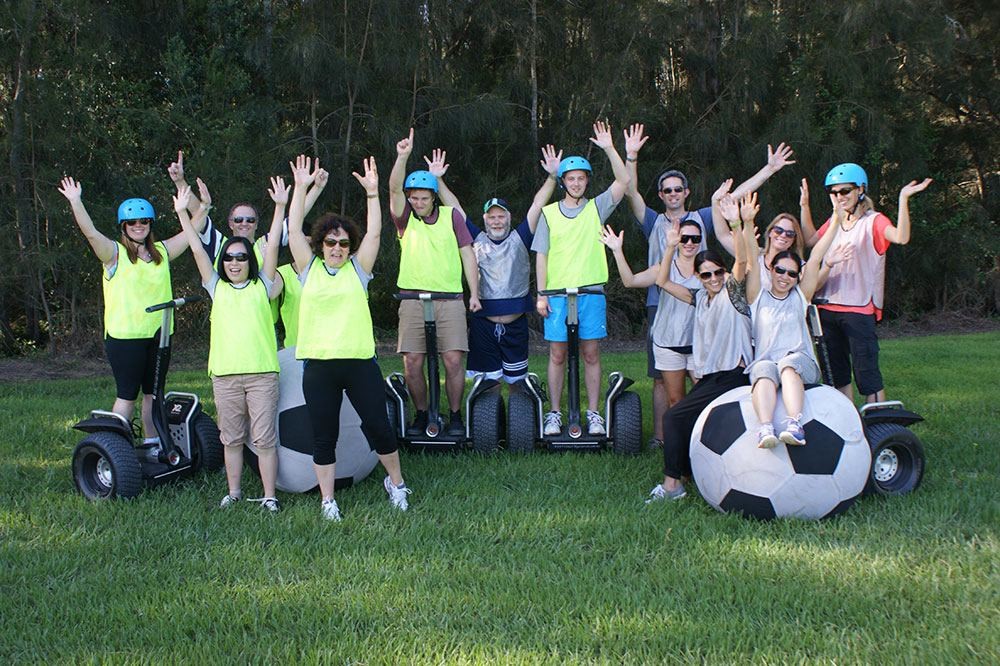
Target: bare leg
[[454, 377], [267, 462], [591, 352], [413, 371], [233, 456], [764, 395], [125, 408], [557, 368], [876, 397], [792, 391], [660, 402], [391, 463], [325, 476], [675, 383], [670, 483], [147, 417], [848, 390]]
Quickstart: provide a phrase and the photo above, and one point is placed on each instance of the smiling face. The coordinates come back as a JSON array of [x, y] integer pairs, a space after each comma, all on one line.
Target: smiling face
[[673, 194], [236, 262], [243, 221], [497, 223], [336, 248], [847, 195], [575, 182], [690, 240], [421, 201], [781, 236], [781, 276], [137, 230], [712, 276]]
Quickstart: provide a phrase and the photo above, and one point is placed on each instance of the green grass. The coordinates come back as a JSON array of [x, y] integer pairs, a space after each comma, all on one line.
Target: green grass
[[532, 559]]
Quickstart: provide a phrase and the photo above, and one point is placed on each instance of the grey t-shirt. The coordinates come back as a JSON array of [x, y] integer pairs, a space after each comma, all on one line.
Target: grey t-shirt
[[605, 206]]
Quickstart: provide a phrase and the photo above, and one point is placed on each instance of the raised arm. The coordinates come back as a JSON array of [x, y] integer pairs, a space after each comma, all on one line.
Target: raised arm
[[201, 259], [812, 275], [603, 140], [319, 184], [368, 250], [438, 166], [900, 234], [102, 246], [748, 214], [777, 159], [731, 213], [302, 253], [550, 163], [663, 281], [279, 195], [809, 235], [397, 199], [635, 139], [615, 243], [176, 172], [722, 230]]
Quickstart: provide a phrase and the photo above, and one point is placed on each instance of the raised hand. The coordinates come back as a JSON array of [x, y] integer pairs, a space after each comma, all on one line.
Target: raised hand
[[301, 170], [804, 194], [779, 157], [322, 178], [913, 187], [749, 208], [279, 191], [437, 165], [635, 139], [405, 146], [71, 189], [182, 198], [674, 234], [612, 240], [176, 169], [203, 193], [550, 159], [369, 181], [838, 254], [730, 210], [602, 135], [723, 190], [839, 212]]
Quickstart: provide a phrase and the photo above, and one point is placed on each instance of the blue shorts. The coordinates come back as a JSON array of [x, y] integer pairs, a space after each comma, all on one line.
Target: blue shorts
[[498, 350], [592, 313]]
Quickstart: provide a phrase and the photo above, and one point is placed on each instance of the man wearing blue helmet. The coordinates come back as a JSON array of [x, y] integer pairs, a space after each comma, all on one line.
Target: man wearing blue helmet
[[569, 253], [853, 290], [435, 251]]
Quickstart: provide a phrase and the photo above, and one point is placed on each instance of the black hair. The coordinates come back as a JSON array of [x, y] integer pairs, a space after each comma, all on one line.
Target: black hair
[[690, 223], [331, 222], [251, 261], [787, 254], [707, 255]]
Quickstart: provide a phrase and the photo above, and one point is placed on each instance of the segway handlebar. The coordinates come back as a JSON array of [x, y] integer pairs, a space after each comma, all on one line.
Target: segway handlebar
[[568, 291], [426, 296], [176, 303]]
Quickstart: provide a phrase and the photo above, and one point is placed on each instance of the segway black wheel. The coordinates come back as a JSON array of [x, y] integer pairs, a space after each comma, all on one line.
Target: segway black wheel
[[105, 466], [897, 460], [626, 417], [486, 422], [207, 451], [522, 421], [392, 411]]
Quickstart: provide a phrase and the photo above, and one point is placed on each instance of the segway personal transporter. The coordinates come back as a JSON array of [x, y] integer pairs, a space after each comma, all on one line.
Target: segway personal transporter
[[622, 408], [112, 460], [897, 454], [484, 410]]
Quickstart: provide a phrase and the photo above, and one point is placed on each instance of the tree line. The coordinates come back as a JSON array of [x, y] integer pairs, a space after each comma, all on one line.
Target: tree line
[[108, 92]]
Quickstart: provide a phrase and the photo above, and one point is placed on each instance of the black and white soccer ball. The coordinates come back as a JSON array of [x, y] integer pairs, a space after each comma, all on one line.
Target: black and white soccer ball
[[355, 459], [818, 480]]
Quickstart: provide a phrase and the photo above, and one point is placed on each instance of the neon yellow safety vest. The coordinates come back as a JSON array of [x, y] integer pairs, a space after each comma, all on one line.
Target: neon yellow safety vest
[[334, 319], [290, 298], [132, 289], [242, 337], [429, 258], [576, 255]]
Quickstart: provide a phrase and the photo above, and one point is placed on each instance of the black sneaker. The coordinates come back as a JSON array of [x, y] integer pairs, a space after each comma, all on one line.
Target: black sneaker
[[419, 424], [455, 426]]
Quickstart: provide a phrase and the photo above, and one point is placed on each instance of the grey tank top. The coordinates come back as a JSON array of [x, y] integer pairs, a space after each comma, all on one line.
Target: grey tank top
[[721, 331], [674, 322], [504, 267], [658, 243], [779, 326]]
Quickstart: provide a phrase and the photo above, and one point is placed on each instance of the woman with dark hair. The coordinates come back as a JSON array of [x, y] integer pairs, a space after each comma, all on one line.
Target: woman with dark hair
[[336, 338], [136, 275], [243, 355], [720, 344]]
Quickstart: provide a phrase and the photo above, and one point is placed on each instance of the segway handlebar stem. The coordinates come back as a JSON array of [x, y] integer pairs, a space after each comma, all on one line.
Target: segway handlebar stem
[[573, 291], [426, 296], [176, 303]]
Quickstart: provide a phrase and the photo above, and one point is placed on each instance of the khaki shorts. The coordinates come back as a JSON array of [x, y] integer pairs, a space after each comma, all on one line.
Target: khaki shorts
[[247, 407], [452, 331]]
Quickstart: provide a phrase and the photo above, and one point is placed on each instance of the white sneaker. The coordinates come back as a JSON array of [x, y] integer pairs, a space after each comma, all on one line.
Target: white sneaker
[[270, 504], [397, 494], [553, 423], [595, 424], [228, 501], [331, 511], [659, 493]]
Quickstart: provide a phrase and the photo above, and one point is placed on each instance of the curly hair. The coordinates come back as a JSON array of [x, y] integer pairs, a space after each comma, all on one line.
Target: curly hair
[[332, 222]]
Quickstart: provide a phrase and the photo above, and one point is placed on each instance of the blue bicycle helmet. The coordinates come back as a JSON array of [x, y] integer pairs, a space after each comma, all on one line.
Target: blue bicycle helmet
[[574, 163], [421, 180], [135, 209], [849, 173]]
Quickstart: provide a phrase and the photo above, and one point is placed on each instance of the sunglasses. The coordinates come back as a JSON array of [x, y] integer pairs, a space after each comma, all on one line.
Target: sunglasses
[[675, 190], [334, 242], [241, 257], [780, 231], [786, 271], [707, 275], [842, 193], [244, 220], [143, 221], [693, 238]]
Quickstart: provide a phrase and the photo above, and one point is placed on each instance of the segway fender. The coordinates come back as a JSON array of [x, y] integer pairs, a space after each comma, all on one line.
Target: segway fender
[[888, 412], [105, 424]]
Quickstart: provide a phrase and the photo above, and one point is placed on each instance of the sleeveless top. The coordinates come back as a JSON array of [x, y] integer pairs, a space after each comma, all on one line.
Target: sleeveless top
[[242, 333], [779, 326], [576, 255], [429, 258], [334, 318], [658, 242], [130, 290], [721, 331], [861, 280], [504, 267], [674, 322]]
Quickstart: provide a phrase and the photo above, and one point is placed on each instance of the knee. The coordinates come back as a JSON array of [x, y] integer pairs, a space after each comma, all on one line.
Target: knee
[[413, 364], [557, 354], [452, 361], [591, 355]]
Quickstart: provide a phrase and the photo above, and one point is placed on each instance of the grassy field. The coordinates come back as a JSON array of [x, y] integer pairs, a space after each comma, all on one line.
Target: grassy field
[[538, 559]]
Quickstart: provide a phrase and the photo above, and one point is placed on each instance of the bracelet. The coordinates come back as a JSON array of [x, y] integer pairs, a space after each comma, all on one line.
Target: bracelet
[[373, 196], [631, 159]]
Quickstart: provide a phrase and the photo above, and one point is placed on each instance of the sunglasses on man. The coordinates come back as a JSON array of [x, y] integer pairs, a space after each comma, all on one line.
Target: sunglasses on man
[[672, 190], [244, 220]]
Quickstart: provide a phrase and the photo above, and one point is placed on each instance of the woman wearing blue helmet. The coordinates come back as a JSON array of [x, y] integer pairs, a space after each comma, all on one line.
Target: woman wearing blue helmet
[[136, 275], [852, 294]]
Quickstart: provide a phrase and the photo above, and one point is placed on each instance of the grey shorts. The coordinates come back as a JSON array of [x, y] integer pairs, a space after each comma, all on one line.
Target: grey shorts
[[803, 365]]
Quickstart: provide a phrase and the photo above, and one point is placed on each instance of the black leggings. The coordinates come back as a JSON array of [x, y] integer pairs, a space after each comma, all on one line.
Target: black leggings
[[324, 383], [679, 420], [133, 362]]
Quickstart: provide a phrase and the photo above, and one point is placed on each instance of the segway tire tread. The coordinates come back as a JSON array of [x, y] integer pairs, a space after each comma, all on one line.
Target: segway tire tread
[[210, 454], [627, 424], [112, 453], [522, 423], [904, 470], [487, 422]]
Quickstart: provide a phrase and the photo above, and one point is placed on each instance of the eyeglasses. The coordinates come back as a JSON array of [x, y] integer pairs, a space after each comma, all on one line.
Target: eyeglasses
[[334, 242], [693, 238], [707, 275], [143, 221], [780, 231], [786, 271], [675, 190], [244, 220], [842, 193], [241, 257]]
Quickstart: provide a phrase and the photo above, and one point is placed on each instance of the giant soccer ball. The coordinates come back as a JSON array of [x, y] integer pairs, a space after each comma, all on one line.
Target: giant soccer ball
[[355, 459], [818, 480]]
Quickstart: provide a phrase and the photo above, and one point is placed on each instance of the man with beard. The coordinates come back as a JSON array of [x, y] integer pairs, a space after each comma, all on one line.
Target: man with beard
[[498, 334]]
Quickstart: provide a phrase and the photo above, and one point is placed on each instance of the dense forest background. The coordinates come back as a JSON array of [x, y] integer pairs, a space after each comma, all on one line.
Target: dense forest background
[[108, 92]]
